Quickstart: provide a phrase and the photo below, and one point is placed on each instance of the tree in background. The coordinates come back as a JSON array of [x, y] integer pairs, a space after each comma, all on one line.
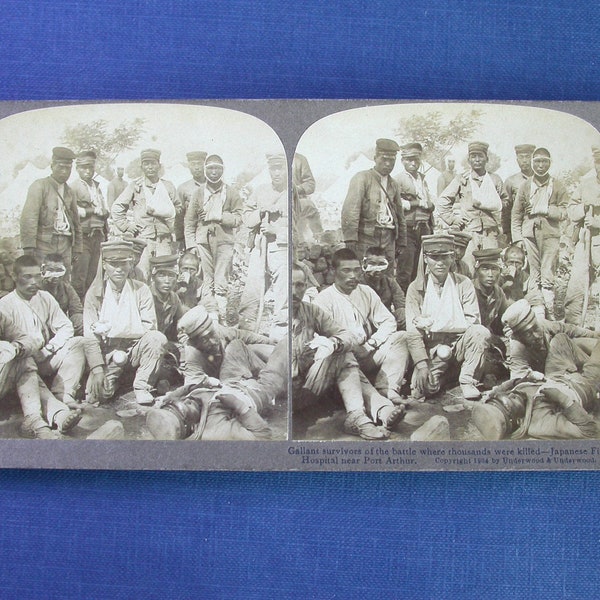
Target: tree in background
[[437, 136], [107, 143]]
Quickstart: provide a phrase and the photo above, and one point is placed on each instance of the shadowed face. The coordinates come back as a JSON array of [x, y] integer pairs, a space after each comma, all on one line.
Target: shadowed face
[[117, 270], [207, 341], [488, 275], [524, 162], [411, 164], [347, 275], [196, 168], [151, 169], [298, 287], [439, 264], [86, 172], [478, 162], [164, 281], [28, 281], [385, 162], [278, 173], [61, 170]]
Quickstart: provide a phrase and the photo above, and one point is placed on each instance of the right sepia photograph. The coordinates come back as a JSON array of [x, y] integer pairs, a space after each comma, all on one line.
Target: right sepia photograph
[[444, 275]]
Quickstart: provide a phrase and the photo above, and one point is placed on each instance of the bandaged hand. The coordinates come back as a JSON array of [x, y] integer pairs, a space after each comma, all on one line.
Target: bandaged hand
[[405, 205], [419, 378], [81, 212], [100, 327], [213, 382], [423, 323], [324, 346]]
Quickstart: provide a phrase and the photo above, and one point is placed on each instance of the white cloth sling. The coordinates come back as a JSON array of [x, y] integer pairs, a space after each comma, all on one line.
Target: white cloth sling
[[213, 205], [160, 201], [445, 309], [486, 194], [539, 197], [123, 313]]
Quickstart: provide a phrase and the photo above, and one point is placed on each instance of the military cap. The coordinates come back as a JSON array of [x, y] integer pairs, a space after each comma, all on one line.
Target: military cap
[[117, 250], [60, 153], [196, 155], [544, 152], [518, 315], [164, 263], [138, 244], [276, 158], [439, 243], [87, 157], [596, 153], [461, 238], [478, 147], [412, 149], [150, 153], [215, 159], [487, 256], [195, 321], [385, 145], [524, 148]]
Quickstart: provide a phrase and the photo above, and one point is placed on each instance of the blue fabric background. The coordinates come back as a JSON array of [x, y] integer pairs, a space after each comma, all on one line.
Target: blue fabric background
[[289, 535]]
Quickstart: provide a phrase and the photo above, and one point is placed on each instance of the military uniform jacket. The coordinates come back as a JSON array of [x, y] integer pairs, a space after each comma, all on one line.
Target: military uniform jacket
[[133, 199], [91, 221], [362, 205], [37, 218], [408, 191], [198, 231], [511, 187], [459, 192], [491, 307], [587, 197]]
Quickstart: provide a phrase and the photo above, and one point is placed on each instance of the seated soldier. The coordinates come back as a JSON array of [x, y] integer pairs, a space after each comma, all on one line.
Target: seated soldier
[[442, 318], [461, 241], [531, 338], [37, 314], [169, 309], [490, 297], [380, 349], [215, 353], [139, 245], [555, 406], [232, 412], [53, 281], [119, 319], [322, 357], [374, 266], [45, 417], [516, 283], [189, 284]]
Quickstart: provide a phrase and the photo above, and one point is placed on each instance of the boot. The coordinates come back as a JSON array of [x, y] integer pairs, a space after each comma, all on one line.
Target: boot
[[357, 423], [548, 296], [35, 427]]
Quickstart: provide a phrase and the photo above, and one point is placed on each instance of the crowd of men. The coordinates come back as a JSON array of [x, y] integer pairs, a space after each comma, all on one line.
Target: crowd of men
[[136, 286], [422, 291]]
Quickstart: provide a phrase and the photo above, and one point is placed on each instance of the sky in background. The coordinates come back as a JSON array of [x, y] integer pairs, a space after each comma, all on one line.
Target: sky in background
[[240, 139], [330, 142]]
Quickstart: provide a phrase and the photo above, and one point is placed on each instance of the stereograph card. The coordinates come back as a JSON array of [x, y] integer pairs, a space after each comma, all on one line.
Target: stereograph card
[[300, 285]]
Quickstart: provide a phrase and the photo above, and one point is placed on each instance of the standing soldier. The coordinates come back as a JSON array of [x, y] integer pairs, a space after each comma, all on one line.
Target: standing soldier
[[50, 221], [372, 213], [473, 202], [93, 214], [539, 208], [446, 176], [154, 205], [266, 215], [584, 212], [418, 210], [116, 186], [513, 183], [308, 213], [213, 214], [186, 191]]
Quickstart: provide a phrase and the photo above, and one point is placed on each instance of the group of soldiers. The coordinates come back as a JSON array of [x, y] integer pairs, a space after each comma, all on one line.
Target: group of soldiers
[[136, 285], [423, 289]]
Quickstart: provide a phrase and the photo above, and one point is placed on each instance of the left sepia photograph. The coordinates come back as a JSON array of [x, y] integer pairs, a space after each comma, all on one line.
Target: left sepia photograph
[[143, 274]]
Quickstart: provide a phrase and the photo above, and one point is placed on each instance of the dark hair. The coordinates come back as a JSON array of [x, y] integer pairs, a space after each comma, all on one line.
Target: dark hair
[[342, 254], [25, 261], [375, 251], [54, 257]]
